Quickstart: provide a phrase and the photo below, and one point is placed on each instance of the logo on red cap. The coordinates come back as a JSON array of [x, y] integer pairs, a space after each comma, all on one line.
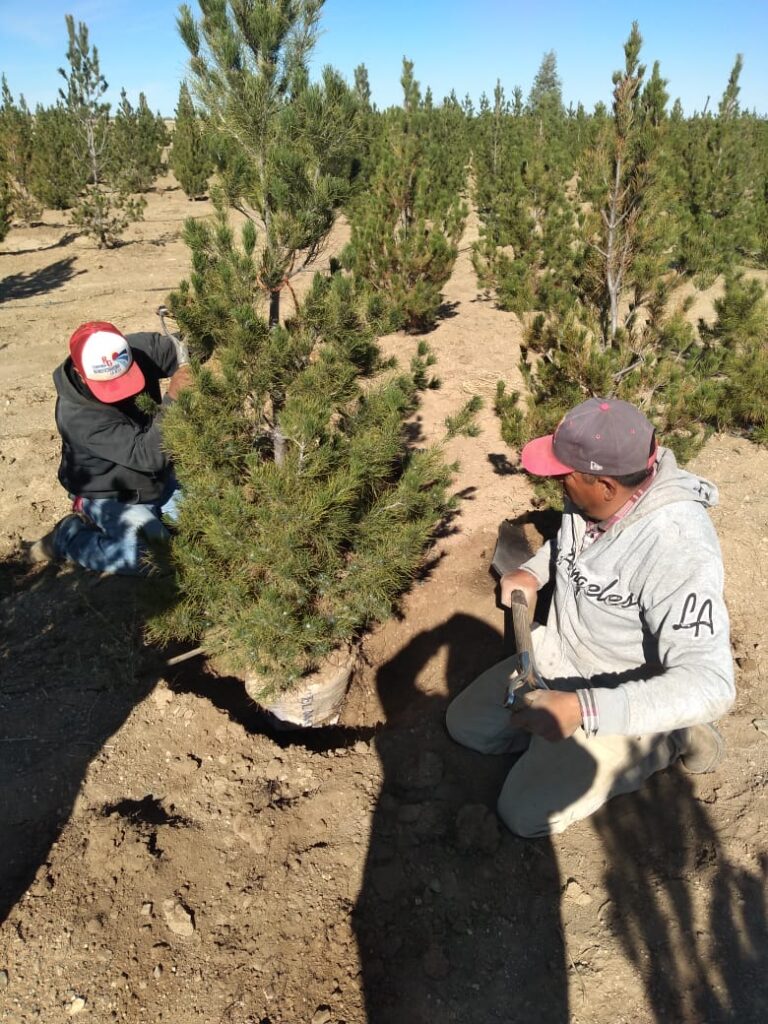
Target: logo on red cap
[[103, 358]]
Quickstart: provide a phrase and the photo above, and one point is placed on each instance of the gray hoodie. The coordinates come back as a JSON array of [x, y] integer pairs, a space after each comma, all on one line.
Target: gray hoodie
[[640, 612]]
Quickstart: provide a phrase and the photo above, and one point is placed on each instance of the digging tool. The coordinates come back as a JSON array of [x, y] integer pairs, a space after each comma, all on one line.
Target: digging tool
[[524, 675], [182, 352]]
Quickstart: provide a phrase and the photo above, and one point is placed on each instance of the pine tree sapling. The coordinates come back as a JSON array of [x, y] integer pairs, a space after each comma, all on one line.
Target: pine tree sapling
[[6, 205], [280, 563], [136, 141], [57, 175], [16, 144], [190, 157], [106, 208], [289, 153], [406, 226], [723, 187]]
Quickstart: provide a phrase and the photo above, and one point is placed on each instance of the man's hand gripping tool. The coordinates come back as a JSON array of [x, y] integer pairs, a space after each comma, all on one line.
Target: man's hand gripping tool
[[182, 351], [524, 675]]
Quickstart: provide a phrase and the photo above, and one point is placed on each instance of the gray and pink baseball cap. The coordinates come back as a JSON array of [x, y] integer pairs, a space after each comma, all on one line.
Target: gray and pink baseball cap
[[602, 435], [103, 358]]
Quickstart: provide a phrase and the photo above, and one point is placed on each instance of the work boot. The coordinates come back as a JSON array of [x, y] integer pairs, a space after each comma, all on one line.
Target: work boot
[[44, 550], [701, 748]]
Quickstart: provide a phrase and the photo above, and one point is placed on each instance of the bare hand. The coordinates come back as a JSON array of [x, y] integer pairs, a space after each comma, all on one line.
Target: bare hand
[[552, 714], [519, 579], [180, 380]]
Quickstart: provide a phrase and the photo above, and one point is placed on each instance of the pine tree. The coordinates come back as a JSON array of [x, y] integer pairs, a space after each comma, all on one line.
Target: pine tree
[[362, 86], [106, 208], [6, 204], [723, 177], [306, 513], [136, 141], [290, 151], [406, 226], [278, 564], [620, 182], [16, 134], [732, 370], [57, 176], [545, 100], [190, 157], [523, 162]]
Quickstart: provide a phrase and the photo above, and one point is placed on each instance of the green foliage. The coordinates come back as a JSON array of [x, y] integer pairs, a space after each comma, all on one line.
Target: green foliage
[[545, 100], [289, 146], [625, 227], [104, 215], [463, 422], [406, 226], [224, 289], [190, 158], [105, 208], [137, 138], [6, 207], [588, 224], [507, 408], [16, 132], [723, 187], [523, 161], [281, 559], [57, 175], [362, 86], [732, 391]]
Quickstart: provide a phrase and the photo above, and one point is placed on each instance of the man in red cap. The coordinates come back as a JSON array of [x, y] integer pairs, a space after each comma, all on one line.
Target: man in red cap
[[112, 461], [635, 652]]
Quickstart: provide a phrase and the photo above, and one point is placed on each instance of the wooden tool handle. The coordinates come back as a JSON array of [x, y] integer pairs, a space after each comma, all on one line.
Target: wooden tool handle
[[521, 625]]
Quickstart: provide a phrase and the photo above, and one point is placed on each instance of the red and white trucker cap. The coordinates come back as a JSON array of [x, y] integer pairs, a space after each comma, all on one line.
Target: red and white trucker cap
[[602, 435], [104, 360]]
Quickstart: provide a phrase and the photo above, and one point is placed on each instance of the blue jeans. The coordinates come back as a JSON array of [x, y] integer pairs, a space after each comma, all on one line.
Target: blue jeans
[[115, 537]]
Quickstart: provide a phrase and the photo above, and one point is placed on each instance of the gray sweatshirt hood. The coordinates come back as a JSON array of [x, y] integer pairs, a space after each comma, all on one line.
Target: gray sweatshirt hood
[[671, 485]]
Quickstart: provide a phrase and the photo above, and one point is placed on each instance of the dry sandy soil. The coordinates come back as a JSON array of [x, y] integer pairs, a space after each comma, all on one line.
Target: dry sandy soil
[[164, 857]]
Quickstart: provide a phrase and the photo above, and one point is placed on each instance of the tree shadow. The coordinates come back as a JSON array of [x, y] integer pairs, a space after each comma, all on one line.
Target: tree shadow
[[228, 694], [692, 923], [37, 282], [448, 310], [70, 674], [457, 920], [65, 240], [502, 465]]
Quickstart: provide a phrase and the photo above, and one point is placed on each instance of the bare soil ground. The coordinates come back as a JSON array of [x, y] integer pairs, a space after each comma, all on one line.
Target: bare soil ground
[[164, 857]]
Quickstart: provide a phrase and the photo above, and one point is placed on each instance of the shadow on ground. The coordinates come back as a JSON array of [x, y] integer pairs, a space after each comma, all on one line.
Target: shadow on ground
[[65, 240], [457, 920], [38, 282], [70, 674], [692, 923]]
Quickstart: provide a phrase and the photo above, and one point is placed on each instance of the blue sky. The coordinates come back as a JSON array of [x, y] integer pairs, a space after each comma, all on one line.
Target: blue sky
[[455, 44]]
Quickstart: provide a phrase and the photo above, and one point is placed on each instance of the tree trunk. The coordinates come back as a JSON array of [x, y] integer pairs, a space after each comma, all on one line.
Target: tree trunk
[[612, 268], [279, 446], [274, 307]]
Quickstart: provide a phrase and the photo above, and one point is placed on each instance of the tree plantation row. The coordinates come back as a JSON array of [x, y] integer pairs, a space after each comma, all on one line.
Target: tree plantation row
[[307, 510]]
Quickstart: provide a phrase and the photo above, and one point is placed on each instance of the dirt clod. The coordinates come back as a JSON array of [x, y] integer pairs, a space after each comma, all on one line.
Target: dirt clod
[[179, 918], [477, 829]]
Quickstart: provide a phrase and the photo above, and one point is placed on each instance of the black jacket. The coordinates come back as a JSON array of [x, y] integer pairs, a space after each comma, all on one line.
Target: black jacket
[[114, 450]]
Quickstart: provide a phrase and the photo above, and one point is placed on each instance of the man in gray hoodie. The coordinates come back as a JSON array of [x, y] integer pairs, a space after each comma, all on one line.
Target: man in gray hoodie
[[635, 652]]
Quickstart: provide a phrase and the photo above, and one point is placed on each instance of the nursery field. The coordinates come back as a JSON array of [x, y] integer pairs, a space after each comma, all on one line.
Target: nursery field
[[165, 857]]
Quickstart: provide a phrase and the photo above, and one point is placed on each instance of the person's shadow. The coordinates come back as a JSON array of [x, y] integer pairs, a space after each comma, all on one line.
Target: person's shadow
[[690, 921], [457, 919], [70, 674]]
